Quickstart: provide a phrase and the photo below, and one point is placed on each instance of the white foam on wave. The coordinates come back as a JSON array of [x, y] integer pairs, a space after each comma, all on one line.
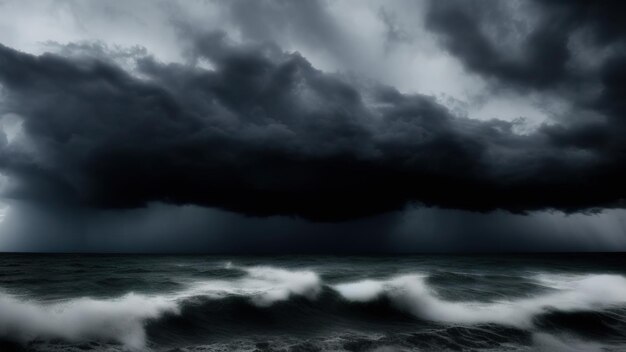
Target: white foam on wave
[[361, 291], [264, 285], [120, 320], [411, 293], [123, 319]]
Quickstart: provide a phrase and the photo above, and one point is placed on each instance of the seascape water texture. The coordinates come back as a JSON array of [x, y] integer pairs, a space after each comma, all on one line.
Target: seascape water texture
[[313, 303]]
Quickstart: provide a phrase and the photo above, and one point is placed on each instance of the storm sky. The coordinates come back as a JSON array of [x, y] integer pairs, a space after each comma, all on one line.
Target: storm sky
[[312, 126]]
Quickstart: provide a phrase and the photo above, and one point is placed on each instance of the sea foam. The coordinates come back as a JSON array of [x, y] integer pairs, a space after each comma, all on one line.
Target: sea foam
[[123, 319], [411, 293], [112, 320], [264, 285]]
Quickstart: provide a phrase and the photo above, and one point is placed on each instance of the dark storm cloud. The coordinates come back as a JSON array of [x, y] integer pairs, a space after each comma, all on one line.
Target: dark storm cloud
[[481, 34], [266, 133], [575, 50]]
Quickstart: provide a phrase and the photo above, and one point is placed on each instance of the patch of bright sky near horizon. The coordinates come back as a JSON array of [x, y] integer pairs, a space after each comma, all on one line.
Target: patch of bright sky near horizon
[[385, 41]]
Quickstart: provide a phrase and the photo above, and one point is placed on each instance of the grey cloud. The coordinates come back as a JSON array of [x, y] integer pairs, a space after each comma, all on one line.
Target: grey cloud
[[266, 133]]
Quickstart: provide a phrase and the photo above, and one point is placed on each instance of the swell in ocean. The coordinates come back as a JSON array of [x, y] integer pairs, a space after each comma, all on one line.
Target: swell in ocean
[[564, 312]]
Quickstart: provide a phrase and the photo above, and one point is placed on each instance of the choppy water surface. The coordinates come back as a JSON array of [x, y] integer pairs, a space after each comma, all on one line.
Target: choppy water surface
[[313, 303]]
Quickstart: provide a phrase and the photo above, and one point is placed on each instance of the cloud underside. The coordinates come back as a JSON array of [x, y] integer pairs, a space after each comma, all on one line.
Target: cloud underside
[[263, 132]]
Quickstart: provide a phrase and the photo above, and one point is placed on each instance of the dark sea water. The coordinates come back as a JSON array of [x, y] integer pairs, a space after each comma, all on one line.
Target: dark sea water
[[313, 303]]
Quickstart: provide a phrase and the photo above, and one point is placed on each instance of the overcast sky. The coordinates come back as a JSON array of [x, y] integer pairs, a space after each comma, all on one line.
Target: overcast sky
[[312, 126]]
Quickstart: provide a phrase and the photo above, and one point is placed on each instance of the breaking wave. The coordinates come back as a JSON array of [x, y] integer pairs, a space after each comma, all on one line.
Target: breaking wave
[[119, 320], [123, 319], [286, 293], [588, 293]]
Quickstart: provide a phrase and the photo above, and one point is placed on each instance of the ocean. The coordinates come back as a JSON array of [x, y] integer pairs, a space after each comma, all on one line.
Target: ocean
[[542, 302]]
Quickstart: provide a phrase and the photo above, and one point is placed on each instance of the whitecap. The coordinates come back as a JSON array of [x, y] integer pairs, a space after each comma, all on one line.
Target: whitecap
[[412, 294]]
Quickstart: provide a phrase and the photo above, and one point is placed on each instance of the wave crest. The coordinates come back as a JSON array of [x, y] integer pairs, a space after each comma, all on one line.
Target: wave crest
[[411, 293], [264, 285], [118, 320], [123, 319]]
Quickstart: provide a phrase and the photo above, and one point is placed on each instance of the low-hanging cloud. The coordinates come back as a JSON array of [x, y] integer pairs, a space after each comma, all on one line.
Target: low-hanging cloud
[[263, 132]]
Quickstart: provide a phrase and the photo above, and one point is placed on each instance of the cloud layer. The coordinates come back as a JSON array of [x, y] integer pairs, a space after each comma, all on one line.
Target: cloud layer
[[248, 127]]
